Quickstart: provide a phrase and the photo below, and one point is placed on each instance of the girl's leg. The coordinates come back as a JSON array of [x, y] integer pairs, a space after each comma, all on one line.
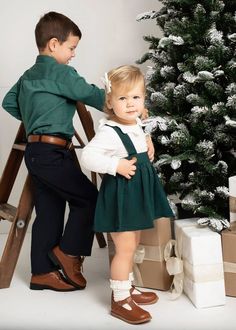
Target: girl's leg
[[122, 305], [125, 245]]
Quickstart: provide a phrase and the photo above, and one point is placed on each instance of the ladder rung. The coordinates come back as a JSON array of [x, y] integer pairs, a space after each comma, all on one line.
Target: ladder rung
[[19, 146], [7, 212]]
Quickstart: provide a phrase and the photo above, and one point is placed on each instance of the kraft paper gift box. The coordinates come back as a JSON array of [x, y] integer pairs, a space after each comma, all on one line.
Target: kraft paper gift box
[[229, 257], [232, 198], [149, 265], [201, 251]]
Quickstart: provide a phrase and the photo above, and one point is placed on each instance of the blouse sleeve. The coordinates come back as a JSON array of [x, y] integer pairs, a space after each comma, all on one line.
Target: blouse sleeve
[[99, 155]]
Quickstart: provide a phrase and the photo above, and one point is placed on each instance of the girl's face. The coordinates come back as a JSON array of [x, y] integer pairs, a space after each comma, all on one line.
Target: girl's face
[[64, 52], [127, 105]]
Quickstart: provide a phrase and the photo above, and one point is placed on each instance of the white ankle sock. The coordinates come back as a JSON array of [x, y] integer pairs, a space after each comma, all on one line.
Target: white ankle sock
[[131, 278], [121, 289]]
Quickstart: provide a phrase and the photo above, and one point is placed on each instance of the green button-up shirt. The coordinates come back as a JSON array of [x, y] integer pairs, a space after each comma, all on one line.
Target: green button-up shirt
[[45, 97]]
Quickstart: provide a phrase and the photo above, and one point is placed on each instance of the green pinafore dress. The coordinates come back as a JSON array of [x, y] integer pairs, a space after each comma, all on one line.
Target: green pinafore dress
[[131, 204]]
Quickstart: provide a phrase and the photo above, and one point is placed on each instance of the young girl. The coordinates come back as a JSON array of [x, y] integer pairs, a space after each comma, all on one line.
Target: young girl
[[131, 195]]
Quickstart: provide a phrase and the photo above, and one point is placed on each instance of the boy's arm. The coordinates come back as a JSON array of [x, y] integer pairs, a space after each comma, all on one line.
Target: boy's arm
[[77, 89], [150, 146], [10, 102]]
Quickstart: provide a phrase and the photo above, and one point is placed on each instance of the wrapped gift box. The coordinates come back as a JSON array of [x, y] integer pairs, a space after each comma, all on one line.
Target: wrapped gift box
[[229, 257], [149, 264], [150, 270], [232, 198], [201, 252]]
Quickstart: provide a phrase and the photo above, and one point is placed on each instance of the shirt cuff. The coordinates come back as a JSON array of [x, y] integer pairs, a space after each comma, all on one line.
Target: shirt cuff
[[113, 166]]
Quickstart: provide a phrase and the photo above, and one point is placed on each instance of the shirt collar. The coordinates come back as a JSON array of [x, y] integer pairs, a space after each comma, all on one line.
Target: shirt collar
[[45, 59], [135, 129]]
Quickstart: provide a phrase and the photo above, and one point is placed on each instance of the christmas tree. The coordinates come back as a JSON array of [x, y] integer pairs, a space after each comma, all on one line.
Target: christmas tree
[[191, 94]]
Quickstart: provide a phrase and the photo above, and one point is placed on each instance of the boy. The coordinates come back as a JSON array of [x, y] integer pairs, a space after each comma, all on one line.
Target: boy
[[44, 99]]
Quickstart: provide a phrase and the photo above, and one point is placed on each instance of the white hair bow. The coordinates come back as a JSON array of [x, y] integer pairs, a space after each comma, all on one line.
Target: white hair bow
[[107, 83]]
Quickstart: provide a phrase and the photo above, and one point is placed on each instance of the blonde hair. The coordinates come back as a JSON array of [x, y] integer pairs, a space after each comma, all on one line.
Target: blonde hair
[[124, 77]]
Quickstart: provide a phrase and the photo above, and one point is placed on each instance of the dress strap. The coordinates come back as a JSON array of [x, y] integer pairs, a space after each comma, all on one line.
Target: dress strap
[[128, 144]]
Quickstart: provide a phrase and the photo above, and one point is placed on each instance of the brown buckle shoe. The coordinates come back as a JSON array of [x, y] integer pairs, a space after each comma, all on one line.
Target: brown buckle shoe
[[71, 267], [51, 281], [133, 315], [143, 298]]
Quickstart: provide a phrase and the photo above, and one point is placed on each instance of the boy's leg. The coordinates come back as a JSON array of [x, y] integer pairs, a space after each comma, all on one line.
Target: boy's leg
[[78, 235], [69, 182], [56, 169], [44, 273], [47, 227]]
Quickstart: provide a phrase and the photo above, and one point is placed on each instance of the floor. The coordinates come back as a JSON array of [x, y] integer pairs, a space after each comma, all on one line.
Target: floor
[[22, 308]]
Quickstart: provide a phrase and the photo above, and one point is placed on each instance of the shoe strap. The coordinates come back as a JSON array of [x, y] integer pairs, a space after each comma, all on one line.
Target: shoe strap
[[134, 288]]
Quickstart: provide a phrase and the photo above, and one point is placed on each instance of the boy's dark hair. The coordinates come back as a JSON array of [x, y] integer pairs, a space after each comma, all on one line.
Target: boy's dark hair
[[54, 25]]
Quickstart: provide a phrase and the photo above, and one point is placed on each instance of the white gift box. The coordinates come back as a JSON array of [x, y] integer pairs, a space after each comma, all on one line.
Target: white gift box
[[200, 249], [232, 198]]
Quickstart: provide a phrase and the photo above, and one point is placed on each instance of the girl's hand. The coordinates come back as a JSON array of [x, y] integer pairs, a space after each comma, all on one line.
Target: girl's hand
[[126, 167], [151, 149]]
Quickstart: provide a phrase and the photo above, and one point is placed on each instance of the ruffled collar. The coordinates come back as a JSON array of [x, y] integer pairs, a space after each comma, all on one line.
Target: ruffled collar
[[135, 129]]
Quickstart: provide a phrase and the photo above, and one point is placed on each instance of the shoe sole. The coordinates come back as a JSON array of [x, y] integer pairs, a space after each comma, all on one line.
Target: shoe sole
[[131, 322], [149, 303], [34, 286], [56, 262]]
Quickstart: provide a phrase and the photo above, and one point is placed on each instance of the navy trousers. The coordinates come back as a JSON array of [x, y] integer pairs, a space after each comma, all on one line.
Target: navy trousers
[[58, 180]]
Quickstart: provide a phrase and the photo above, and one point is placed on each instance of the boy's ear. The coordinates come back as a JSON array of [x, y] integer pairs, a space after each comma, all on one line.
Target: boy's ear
[[52, 44]]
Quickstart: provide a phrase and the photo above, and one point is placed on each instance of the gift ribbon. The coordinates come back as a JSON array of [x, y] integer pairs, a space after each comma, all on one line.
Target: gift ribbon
[[203, 273], [229, 267], [180, 268], [232, 208], [174, 266]]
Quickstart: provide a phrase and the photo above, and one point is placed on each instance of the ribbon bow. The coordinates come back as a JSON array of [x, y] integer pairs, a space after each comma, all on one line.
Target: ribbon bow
[[107, 83], [174, 266], [215, 224]]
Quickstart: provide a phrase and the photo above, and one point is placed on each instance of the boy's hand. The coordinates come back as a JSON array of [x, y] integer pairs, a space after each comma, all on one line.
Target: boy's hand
[[144, 114], [150, 147], [126, 167]]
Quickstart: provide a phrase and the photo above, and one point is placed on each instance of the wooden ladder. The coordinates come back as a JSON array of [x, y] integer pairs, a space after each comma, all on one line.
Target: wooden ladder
[[20, 216]]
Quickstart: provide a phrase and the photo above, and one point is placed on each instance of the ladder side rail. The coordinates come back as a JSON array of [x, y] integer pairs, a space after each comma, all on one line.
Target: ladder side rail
[[12, 167], [9, 174], [16, 235]]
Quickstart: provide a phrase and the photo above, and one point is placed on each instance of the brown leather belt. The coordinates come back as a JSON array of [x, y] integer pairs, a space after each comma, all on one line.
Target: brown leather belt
[[50, 139]]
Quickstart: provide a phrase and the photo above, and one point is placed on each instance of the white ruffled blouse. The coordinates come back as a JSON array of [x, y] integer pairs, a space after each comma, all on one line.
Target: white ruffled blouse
[[103, 152]]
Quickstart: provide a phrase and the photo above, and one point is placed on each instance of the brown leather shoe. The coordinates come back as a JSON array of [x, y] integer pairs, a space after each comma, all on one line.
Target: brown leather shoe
[[71, 267], [143, 298], [133, 315], [51, 281]]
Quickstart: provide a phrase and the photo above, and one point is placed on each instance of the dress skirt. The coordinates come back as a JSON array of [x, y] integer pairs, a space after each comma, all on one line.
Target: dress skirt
[[131, 204]]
